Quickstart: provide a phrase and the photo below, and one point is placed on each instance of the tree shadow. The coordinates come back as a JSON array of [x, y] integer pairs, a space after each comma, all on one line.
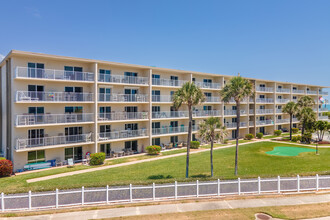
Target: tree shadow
[[200, 176], [158, 177]]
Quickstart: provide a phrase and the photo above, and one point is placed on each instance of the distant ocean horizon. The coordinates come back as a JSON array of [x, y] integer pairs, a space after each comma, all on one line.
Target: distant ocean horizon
[[326, 106]]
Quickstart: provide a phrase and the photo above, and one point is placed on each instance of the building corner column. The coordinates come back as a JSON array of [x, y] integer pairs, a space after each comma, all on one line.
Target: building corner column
[[95, 107]]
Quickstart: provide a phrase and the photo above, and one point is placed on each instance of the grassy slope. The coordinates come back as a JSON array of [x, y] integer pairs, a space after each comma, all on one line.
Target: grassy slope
[[253, 162]]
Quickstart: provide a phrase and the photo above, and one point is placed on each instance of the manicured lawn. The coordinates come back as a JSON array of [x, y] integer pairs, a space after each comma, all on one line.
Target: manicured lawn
[[253, 162]]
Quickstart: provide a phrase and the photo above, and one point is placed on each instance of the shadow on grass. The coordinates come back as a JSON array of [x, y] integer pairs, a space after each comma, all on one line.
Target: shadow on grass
[[200, 176], [159, 177]]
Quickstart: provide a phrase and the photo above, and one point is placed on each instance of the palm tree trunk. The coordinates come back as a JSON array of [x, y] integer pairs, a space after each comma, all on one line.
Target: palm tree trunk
[[189, 140], [290, 127], [212, 140], [238, 114]]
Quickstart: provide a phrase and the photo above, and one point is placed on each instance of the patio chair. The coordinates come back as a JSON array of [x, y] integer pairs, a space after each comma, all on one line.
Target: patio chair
[[70, 162]]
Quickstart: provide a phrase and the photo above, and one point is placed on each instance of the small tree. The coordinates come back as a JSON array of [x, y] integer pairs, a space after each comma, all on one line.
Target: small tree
[[290, 108], [306, 117], [6, 168], [321, 127], [211, 130]]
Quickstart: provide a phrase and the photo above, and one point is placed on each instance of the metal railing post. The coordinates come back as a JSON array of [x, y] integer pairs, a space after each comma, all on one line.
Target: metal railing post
[[278, 184], [130, 193], [153, 191], [176, 190], [239, 185], [259, 185], [56, 198], [298, 183], [2, 202], [82, 195], [197, 189], [218, 187], [30, 200], [317, 182]]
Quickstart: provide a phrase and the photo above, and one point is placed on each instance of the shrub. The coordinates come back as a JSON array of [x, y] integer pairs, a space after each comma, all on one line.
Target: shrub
[[153, 149], [294, 139], [194, 144], [6, 168], [260, 135], [249, 136], [295, 130], [277, 132], [97, 158], [306, 138], [226, 141], [298, 137]]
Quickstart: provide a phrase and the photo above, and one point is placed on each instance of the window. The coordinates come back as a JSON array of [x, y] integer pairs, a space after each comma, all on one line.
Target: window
[[261, 96], [131, 126], [279, 127], [36, 70], [155, 108], [105, 112], [262, 85], [73, 72], [105, 72], [155, 79], [74, 89], [73, 109], [36, 156], [36, 137], [131, 145], [73, 152], [131, 109], [234, 107], [131, 74], [174, 81], [38, 111], [207, 81], [156, 141], [261, 107], [233, 134], [174, 139], [279, 87], [36, 92], [279, 97], [279, 117], [106, 148], [207, 108], [294, 97], [262, 118], [234, 120], [194, 79], [208, 94], [294, 88], [105, 128], [104, 94], [73, 134], [156, 95]]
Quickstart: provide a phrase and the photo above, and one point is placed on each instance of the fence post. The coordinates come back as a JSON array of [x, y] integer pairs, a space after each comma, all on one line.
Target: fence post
[[82, 195], [239, 185], [130, 193], [218, 187], [153, 191], [197, 189], [175, 190], [278, 184], [2, 202], [30, 200], [298, 183], [56, 198], [317, 182], [107, 196], [259, 185]]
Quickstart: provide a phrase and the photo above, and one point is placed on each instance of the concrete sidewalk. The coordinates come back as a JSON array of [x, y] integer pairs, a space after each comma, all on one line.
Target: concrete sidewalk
[[185, 207], [129, 163]]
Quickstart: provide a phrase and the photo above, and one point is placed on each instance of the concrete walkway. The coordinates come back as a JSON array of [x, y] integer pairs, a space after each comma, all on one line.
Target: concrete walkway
[[186, 207], [128, 163]]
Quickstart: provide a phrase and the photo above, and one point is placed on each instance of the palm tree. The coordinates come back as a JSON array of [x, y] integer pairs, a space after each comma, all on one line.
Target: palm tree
[[237, 88], [191, 95], [306, 117], [290, 108], [211, 130], [305, 101]]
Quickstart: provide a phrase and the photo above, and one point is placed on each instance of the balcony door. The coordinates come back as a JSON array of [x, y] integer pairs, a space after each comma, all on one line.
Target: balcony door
[[155, 79], [155, 127], [131, 127], [174, 81], [130, 94], [106, 148], [73, 134], [105, 75], [104, 94], [156, 95], [73, 73], [36, 137], [131, 112], [76, 110], [36, 70], [36, 92], [131, 145], [105, 112], [38, 112], [75, 153], [130, 77], [207, 82], [156, 111]]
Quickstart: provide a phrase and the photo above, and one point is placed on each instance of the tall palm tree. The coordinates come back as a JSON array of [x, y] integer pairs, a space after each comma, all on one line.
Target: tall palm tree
[[191, 95], [211, 130], [237, 88], [306, 117], [305, 101], [290, 108]]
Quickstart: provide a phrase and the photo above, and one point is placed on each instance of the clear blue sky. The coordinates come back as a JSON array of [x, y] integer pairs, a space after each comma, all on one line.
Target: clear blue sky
[[277, 40]]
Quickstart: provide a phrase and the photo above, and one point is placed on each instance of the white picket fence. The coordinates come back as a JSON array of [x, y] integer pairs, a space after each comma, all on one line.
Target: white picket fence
[[155, 192]]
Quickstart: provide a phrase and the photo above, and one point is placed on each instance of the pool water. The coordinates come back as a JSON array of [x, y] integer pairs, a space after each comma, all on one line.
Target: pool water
[[289, 151]]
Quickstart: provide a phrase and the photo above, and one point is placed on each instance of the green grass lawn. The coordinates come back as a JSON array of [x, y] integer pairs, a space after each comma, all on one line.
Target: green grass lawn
[[253, 162]]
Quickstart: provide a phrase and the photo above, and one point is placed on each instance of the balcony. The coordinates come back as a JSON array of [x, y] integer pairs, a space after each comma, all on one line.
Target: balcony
[[27, 96], [295, 91], [42, 119], [173, 130], [232, 100], [120, 79], [212, 99], [295, 120], [205, 85], [206, 113], [323, 117], [280, 121], [323, 110], [123, 134], [234, 124], [279, 111], [310, 92], [283, 90], [170, 114], [233, 112], [264, 89], [52, 74], [168, 82], [123, 97], [264, 122], [162, 98], [282, 100], [265, 100], [22, 144], [122, 116], [323, 93], [262, 111]]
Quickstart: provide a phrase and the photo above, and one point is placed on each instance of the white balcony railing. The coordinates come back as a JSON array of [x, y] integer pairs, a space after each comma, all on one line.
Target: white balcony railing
[[52, 74], [296, 91], [279, 121], [104, 136], [264, 122], [173, 130], [27, 96], [116, 116], [232, 100], [205, 85], [233, 112], [323, 117], [295, 120], [123, 97], [109, 78], [56, 140], [265, 100], [311, 92], [279, 111], [39, 119], [234, 124], [168, 82], [170, 114], [264, 89], [204, 113], [212, 99], [282, 100], [283, 90], [323, 109], [323, 93], [262, 111], [162, 98]]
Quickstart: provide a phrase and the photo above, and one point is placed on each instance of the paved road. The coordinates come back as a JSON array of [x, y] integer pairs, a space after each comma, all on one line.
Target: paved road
[[184, 207], [167, 190]]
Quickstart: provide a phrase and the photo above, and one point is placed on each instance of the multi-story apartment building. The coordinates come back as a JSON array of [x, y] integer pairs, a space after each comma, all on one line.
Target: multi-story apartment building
[[57, 107]]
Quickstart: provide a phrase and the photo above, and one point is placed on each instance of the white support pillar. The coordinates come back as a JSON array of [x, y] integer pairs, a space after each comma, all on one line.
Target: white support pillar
[[95, 107], [150, 106]]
